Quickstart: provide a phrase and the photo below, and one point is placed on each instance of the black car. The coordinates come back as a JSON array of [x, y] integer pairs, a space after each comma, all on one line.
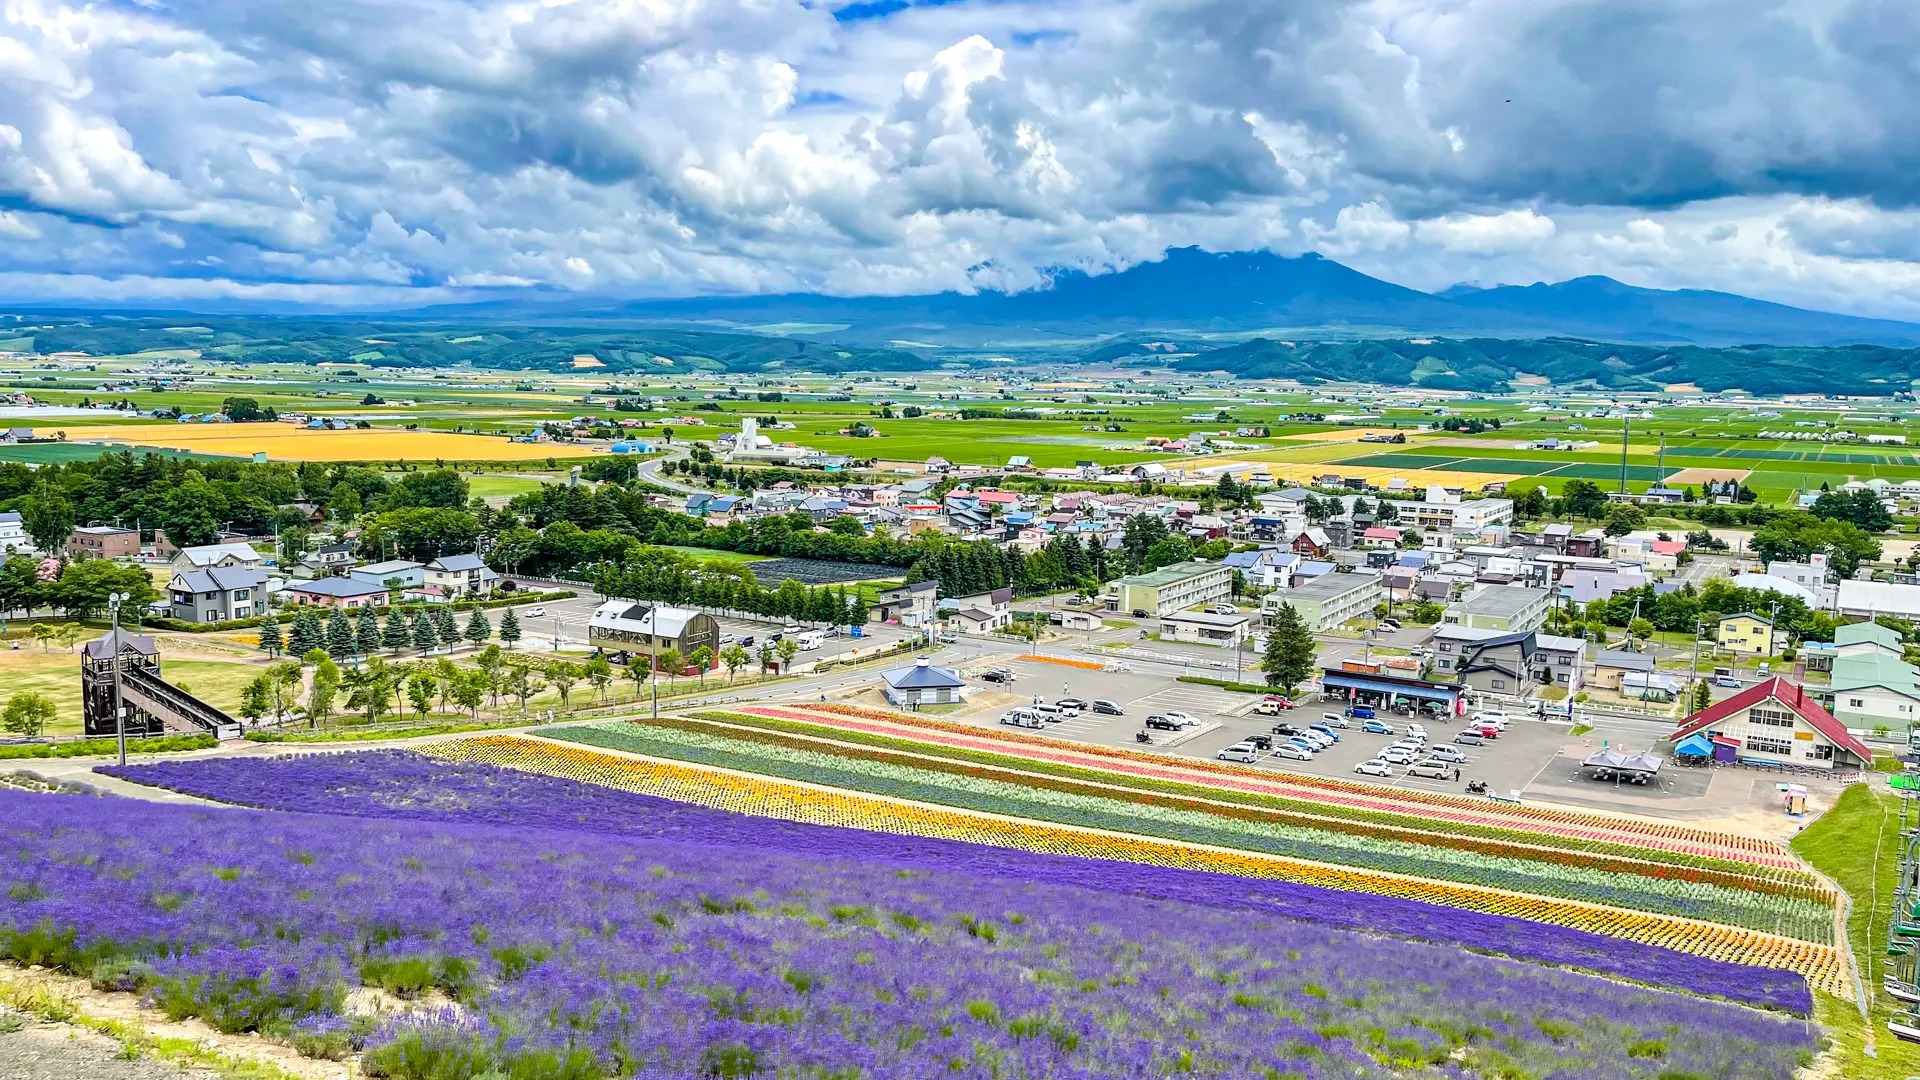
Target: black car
[[998, 676], [1285, 729], [1102, 705], [1261, 742], [746, 642], [1161, 723]]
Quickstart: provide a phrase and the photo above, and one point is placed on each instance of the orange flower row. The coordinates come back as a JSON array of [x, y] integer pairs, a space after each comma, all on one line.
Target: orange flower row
[[766, 797]]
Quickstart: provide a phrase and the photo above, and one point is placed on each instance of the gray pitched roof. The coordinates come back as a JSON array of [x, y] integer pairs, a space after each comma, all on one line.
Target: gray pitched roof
[[221, 579], [468, 561]]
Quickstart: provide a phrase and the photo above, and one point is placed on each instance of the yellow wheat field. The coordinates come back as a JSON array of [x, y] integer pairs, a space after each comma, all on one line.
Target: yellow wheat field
[[284, 442]]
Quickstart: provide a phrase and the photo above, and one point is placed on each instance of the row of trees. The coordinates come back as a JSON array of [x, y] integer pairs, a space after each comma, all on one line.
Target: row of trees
[[79, 589], [341, 635], [673, 578]]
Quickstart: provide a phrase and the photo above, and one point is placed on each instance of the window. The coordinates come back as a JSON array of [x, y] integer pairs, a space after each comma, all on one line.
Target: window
[[1499, 684], [1770, 746], [1770, 717], [1823, 752], [1856, 703], [1566, 659]]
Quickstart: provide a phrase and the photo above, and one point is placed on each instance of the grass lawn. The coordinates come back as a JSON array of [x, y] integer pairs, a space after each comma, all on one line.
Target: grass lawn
[[487, 487], [1857, 843], [709, 553], [56, 674]]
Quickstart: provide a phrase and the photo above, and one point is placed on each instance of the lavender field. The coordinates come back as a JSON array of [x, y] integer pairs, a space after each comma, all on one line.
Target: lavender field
[[547, 929]]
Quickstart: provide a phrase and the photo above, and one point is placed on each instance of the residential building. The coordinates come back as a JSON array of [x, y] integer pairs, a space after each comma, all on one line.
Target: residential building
[[908, 605], [218, 556], [1507, 608], [103, 542], [1204, 628], [1171, 588], [1612, 666], [1873, 691], [1449, 512], [1328, 601], [217, 594], [1810, 575], [923, 684], [13, 536], [982, 613], [328, 559], [1560, 661], [338, 592], [1776, 722], [1746, 634], [451, 576], [1870, 599], [400, 574], [1493, 661]]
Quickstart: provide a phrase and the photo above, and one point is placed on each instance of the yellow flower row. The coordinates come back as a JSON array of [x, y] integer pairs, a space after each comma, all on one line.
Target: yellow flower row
[[766, 797]]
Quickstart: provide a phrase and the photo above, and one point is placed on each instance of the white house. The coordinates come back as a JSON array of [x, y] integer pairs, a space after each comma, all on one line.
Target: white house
[[217, 557], [458, 575], [13, 535]]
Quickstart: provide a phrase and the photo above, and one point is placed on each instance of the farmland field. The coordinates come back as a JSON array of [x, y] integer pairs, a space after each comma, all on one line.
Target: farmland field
[[608, 931], [283, 442]]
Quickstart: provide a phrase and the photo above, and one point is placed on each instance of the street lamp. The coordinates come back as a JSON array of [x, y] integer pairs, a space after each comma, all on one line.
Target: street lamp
[[119, 712]]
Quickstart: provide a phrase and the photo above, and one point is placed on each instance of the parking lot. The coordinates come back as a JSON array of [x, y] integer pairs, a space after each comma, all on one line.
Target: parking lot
[[567, 619]]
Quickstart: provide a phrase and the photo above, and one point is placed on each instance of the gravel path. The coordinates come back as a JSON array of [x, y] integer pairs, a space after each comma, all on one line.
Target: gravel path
[[59, 1052]]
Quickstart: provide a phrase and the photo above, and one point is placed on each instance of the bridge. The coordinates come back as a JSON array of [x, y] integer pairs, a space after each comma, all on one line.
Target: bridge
[[149, 704]]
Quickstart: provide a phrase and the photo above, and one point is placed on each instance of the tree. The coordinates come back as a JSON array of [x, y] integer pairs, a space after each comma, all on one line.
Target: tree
[[1640, 629], [639, 673], [490, 662], [766, 657], [48, 517], [1623, 518], [449, 629], [256, 698], [599, 675], [1797, 537], [469, 690], [1290, 653], [246, 410], [673, 664], [788, 649], [420, 689], [425, 634], [702, 659], [1530, 502], [27, 714], [306, 635], [509, 628], [326, 685], [397, 633], [1583, 497], [734, 657], [366, 636], [1701, 695], [82, 588], [339, 635], [1859, 507], [270, 642], [367, 687], [561, 675], [287, 675], [478, 628], [522, 683]]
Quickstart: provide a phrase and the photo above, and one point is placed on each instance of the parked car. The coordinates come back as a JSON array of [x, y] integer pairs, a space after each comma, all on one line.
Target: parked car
[[1492, 718], [534, 612], [1417, 730], [1314, 739], [1052, 714], [1025, 718], [1269, 708], [726, 639], [1394, 755], [1074, 703], [1161, 723], [1335, 720], [1286, 729], [1291, 753], [1325, 730], [1299, 743], [1183, 719], [1765, 669], [1470, 738], [1361, 712], [1240, 752], [1485, 731], [1391, 625], [747, 641], [1279, 699], [1224, 609], [998, 675], [1376, 727], [1376, 767], [1434, 770], [1449, 754], [1411, 746], [1260, 742], [1108, 708], [1727, 681]]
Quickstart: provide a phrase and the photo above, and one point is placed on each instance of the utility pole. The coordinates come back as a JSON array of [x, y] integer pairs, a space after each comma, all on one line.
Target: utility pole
[[653, 643], [1693, 678], [1626, 434]]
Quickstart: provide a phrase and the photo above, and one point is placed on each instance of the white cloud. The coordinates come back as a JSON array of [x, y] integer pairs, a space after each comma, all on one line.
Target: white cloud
[[657, 147]]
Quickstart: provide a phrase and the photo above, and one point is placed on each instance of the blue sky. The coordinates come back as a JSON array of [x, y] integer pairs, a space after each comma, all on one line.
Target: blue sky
[[363, 153]]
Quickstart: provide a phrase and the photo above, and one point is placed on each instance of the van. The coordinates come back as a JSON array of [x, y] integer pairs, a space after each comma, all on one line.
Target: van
[[1240, 752], [812, 639], [1025, 718], [1470, 738], [1727, 681], [1361, 712]]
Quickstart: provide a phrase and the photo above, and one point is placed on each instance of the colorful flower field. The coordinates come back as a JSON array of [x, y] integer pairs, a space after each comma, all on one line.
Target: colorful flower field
[[1545, 820], [533, 927], [1768, 905], [768, 798]]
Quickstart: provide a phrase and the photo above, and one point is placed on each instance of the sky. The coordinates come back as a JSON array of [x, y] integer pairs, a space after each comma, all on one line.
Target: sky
[[380, 153]]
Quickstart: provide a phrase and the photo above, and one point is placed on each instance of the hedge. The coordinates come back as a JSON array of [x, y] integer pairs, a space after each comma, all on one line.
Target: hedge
[[165, 744], [167, 622], [1229, 684]]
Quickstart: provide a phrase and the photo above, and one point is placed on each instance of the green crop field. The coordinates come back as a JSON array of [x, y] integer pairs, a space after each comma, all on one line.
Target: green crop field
[[45, 453]]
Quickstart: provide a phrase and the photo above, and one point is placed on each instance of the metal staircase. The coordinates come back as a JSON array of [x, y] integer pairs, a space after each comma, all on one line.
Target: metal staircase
[[1901, 980], [176, 709]]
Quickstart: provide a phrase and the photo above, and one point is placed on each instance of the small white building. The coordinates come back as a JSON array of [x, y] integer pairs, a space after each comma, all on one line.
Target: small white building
[[923, 684], [1204, 628]]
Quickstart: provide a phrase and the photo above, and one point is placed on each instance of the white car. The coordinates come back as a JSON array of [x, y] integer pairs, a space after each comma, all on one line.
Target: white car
[[1293, 753], [1183, 719], [1241, 752], [534, 612], [1319, 739], [1376, 767], [1411, 746], [1452, 755], [1416, 731], [1395, 755], [1224, 609], [1494, 719]]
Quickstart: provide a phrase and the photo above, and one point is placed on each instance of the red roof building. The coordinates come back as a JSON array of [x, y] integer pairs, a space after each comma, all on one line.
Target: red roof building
[[1778, 722]]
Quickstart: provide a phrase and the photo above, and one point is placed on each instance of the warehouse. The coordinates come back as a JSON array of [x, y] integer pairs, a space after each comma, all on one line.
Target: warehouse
[[625, 628]]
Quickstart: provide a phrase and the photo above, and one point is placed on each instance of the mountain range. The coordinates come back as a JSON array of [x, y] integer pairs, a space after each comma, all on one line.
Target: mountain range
[[1238, 293]]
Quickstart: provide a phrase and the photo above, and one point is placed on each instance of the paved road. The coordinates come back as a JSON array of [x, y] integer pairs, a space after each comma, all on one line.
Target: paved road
[[650, 471]]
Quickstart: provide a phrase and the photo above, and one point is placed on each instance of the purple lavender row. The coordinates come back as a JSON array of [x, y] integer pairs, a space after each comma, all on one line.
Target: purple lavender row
[[396, 783], [580, 953]]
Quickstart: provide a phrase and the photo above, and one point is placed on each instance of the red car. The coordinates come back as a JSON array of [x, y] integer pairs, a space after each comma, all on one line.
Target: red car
[[1278, 700], [1485, 731]]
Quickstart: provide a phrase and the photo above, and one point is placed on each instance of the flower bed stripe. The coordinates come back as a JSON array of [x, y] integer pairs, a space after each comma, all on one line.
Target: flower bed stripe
[[1820, 964], [1442, 807], [977, 788]]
